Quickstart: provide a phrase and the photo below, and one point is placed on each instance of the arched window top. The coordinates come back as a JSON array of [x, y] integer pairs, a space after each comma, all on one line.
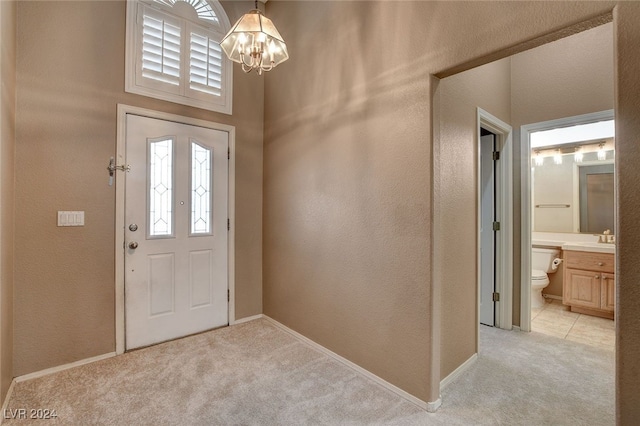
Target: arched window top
[[208, 11], [174, 53]]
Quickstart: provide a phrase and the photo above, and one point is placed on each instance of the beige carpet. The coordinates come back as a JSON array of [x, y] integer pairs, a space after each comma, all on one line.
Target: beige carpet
[[256, 374]]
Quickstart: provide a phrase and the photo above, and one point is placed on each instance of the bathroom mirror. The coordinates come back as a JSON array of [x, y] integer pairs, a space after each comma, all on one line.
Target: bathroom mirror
[[573, 192]]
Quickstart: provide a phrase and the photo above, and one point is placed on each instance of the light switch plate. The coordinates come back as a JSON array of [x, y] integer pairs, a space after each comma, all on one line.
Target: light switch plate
[[70, 218]]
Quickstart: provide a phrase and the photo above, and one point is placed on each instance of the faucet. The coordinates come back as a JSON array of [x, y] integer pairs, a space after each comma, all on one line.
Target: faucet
[[607, 237]]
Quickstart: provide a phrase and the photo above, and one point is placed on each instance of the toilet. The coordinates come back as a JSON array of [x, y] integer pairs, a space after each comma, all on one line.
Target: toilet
[[543, 261]]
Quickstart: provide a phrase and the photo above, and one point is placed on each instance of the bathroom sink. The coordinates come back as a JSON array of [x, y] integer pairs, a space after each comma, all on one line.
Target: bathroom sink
[[593, 247]]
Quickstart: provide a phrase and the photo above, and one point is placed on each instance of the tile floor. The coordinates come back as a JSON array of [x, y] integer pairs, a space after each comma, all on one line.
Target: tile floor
[[555, 319]]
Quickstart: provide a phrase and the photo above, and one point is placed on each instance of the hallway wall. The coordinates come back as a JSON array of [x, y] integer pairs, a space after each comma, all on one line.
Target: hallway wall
[[627, 65], [7, 187], [487, 87]]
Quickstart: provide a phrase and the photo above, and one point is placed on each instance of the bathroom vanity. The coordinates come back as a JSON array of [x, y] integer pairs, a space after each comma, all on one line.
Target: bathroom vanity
[[589, 279]]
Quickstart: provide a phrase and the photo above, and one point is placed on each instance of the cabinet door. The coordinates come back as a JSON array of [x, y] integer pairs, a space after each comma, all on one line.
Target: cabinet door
[[582, 288], [608, 292]]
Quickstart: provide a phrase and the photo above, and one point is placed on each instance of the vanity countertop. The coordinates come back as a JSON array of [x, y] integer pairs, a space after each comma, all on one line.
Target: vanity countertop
[[547, 243], [592, 247]]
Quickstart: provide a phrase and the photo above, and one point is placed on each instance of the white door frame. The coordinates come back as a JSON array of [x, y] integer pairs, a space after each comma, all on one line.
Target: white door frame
[[504, 214], [123, 110], [525, 179]]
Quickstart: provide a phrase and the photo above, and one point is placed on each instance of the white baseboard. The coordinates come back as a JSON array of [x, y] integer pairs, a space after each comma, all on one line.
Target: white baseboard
[[5, 404], [516, 328], [458, 371], [433, 406], [59, 368], [246, 319], [428, 406]]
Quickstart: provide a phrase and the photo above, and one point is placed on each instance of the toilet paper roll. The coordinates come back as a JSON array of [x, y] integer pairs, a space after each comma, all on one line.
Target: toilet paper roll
[[556, 262]]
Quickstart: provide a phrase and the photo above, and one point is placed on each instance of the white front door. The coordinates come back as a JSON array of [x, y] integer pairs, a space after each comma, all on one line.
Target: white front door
[[176, 216]]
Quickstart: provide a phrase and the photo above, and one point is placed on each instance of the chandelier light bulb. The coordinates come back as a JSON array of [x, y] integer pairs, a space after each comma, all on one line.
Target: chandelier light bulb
[[539, 159], [557, 158], [602, 154]]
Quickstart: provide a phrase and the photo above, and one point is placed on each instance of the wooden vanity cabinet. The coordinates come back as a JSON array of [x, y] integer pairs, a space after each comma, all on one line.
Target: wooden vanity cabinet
[[589, 283]]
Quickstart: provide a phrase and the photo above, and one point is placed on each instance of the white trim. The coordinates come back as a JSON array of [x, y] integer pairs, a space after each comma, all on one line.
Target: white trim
[[5, 404], [504, 213], [428, 406], [123, 110], [433, 406], [57, 369], [246, 319], [435, 363], [526, 193], [458, 371]]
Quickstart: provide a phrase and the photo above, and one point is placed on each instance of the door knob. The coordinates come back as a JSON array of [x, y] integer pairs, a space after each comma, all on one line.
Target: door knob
[[133, 245]]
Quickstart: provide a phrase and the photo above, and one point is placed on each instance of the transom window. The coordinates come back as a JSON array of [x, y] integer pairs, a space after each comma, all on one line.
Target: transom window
[[174, 54]]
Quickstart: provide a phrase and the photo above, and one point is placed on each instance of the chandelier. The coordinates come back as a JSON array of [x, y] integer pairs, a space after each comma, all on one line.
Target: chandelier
[[255, 43]]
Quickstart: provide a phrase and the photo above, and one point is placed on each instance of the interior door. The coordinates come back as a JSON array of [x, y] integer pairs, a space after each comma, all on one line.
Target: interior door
[[176, 230], [487, 234]]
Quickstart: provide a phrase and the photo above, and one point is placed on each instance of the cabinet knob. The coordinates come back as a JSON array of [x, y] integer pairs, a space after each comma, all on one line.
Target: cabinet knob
[[600, 263], [596, 277]]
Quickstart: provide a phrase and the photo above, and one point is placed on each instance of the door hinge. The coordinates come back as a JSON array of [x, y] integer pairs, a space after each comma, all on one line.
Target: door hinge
[[228, 153], [496, 226], [496, 297], [228, 224], [228, 295], [496, 155]]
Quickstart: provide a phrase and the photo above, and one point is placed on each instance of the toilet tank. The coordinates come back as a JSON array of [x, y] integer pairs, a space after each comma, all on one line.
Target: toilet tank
[[542, 258]]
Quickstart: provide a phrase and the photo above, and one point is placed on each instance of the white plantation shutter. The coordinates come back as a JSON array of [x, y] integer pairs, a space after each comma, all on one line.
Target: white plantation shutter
[[160, 48], [171, 57], [205, 65]]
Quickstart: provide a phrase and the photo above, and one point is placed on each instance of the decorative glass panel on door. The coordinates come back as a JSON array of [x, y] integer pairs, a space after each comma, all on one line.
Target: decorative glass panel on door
[[160, 201], [201, 177]]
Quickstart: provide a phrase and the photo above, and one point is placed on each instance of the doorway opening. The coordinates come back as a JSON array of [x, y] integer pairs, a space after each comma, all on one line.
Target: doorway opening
[[553, 80], [568, 205], [495, 224]]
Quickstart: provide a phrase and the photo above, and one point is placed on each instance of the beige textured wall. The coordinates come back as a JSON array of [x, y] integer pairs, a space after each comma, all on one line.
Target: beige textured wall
[[7, 148], [627, 40], [70, 67], [347, 207], [346, 213], [489, 88], [568, 77]]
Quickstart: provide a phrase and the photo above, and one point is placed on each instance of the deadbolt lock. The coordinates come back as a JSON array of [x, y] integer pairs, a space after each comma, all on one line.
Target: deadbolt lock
[[133, 227]]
